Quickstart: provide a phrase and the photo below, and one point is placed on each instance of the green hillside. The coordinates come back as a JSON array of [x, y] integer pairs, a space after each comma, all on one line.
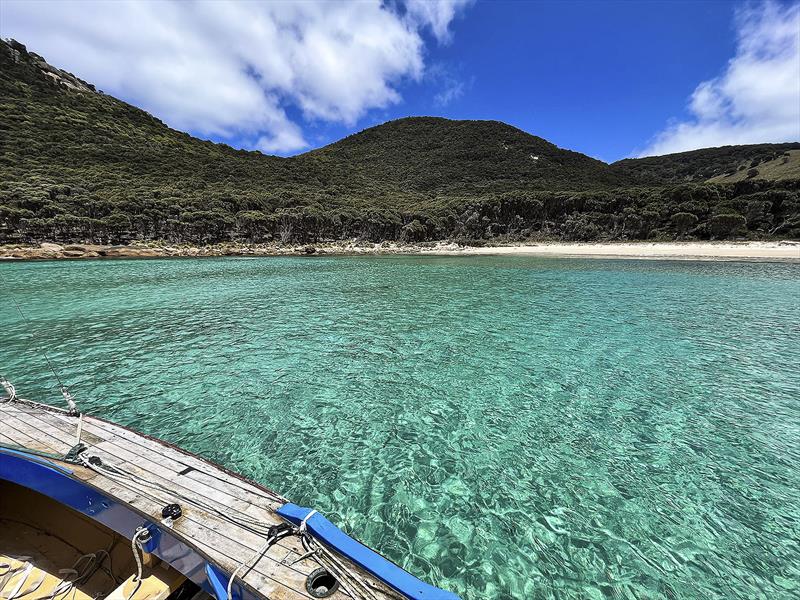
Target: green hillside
[[726, 163], [434, 155], [77, 165], [783, 166]]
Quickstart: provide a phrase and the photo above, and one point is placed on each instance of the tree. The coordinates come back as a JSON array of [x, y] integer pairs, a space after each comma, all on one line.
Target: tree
[[414, 231], [725, 225], [286, 228], [683, 222]]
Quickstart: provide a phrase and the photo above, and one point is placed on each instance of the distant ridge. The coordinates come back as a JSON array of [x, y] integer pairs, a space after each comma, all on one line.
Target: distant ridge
[[722, 162], [77, 165]]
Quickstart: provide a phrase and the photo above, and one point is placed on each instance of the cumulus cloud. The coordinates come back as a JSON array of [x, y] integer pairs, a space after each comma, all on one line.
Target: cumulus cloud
[[757, 98], [232, 69]]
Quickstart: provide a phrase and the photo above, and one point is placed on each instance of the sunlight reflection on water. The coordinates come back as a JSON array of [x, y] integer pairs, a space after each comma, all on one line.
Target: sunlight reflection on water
[[504, 427]]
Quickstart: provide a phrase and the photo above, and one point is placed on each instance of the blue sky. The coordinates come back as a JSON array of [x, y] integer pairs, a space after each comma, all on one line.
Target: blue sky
[[598, 77], [610, 79]]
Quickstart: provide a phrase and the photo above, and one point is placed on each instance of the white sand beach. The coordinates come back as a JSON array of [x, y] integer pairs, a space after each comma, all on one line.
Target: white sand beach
[[784, 250]]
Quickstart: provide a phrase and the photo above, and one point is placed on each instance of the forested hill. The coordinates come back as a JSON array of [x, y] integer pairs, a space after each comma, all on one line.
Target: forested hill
[[79, 165], [436, 155]]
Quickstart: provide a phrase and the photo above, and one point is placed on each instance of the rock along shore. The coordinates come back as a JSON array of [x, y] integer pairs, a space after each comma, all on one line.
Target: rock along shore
[[49, 251]]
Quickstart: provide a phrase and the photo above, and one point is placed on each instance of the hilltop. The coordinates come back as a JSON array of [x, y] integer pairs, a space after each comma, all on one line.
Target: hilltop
[[77, 165], [436, 155]]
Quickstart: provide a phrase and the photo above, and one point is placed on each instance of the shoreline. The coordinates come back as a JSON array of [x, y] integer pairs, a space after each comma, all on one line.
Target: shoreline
[[786, 250], [782, 251]]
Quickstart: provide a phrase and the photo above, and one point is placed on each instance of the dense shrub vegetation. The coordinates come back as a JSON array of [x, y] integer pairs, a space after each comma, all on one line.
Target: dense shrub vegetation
[[78, 165], [699, 165]]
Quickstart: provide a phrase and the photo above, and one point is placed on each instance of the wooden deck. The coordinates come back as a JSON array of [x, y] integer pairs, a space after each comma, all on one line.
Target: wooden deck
[[174, 472]]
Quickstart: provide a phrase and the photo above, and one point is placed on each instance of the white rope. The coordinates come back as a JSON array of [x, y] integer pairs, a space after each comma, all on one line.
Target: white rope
[[326, 558], [304, 522], [22, 578], [73, 408], [254, 557], [11, 391], [31, 588], [81, 570], [80, 429], [136, 548], [340, 572], [11, 570]]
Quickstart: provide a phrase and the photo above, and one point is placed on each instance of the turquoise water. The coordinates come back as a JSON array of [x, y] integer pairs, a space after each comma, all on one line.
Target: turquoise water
[[504, 427]]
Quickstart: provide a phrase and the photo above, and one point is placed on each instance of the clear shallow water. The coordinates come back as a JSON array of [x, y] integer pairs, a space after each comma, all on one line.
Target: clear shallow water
[[504, 427]]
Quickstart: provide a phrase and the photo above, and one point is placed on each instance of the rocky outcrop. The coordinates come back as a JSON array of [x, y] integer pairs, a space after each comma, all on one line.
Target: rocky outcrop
[[48, 247], [19, 53]]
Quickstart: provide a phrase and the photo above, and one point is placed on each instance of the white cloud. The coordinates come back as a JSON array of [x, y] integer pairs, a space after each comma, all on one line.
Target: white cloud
[[233, 69], [451, 92], [757, 98], [284, 138], [436, 14], [449, 83]]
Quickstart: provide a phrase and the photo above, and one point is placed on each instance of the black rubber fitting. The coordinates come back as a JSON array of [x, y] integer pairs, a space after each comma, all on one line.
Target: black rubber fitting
[[321, 584]]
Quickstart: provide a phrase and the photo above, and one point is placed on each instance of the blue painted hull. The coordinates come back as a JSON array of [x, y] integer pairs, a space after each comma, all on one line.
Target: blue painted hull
[[55, 481]]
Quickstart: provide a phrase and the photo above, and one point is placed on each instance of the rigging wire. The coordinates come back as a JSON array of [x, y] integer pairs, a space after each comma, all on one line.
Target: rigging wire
[[63, 388]]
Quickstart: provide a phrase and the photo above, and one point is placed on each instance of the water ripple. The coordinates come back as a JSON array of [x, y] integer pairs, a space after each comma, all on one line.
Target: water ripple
[[505, 427]]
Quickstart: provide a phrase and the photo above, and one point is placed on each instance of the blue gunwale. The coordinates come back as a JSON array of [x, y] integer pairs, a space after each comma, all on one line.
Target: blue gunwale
[[392, 575]]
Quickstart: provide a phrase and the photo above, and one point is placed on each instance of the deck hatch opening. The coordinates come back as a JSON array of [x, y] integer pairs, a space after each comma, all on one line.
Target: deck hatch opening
[[321, 584]]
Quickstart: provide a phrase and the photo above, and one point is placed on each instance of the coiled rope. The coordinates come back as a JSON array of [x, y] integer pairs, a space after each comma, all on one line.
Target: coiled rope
[[352, 583], [81, 571]]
